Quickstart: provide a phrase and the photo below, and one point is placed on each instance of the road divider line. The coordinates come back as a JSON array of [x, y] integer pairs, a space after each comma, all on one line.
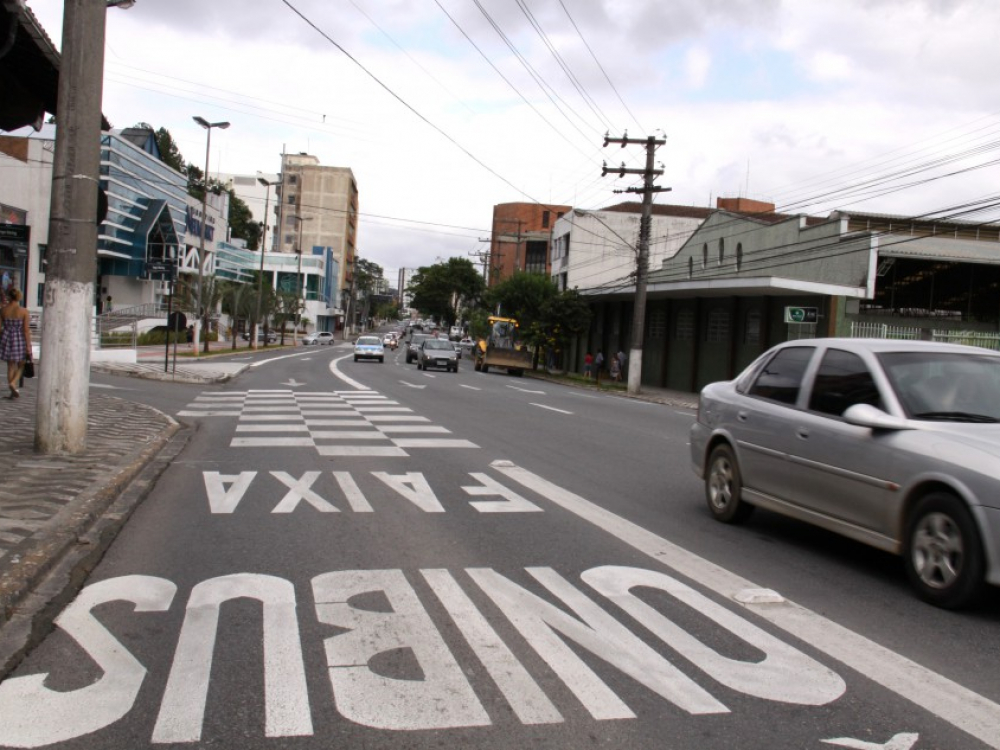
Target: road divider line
[[966, 710], [526, 390], [470, 387], [338, 374], [550, 408]]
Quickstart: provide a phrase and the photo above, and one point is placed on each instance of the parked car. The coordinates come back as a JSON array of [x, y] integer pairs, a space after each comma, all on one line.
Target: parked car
[[317, 338], [270, 338], [369, 347], [437, 352], [413, 348], [893, 443]]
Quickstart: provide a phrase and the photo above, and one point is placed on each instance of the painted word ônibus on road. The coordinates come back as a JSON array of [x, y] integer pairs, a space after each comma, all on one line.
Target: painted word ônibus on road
[[33, 715]]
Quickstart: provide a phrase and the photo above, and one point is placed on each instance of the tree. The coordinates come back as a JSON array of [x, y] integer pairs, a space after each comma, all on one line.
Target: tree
[[522, 296], [237, 302], [445, 289], [241, 221], [170, 154]]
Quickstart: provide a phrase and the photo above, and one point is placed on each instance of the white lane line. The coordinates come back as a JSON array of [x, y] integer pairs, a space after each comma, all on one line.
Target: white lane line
[[208, 413], [272, 428], [349, 434], [412, 385], [396, 418], [525, 390], [350, 381], [413, 428], [428, 375], [470, 387], [959, 706], [550, 408], [359, 450], [581, 395], [272, 442], [433, 443]]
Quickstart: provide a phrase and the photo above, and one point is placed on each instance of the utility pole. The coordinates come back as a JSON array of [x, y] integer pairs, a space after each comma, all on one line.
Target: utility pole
[[67, 325], [642, 259]]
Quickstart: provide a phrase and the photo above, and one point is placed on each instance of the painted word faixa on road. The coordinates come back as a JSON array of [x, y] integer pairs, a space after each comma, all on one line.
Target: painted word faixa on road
[[225, 491], [33, 715]]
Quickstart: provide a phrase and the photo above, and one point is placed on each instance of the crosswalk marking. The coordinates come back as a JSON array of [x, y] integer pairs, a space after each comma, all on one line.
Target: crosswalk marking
[[339, 423]]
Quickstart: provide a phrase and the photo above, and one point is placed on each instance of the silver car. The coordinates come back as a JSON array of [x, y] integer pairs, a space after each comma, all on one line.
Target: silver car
[[893, 443], [437, 353]]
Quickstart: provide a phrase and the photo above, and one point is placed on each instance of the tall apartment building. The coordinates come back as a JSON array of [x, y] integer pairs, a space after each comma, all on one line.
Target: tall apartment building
[[318, 210], [405, 277]]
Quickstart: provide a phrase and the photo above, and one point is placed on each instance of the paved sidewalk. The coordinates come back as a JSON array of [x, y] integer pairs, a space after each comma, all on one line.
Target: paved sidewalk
[[59, 513]]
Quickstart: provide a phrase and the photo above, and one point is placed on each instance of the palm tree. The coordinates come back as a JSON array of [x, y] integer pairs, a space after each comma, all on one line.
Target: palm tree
[[237, 302]]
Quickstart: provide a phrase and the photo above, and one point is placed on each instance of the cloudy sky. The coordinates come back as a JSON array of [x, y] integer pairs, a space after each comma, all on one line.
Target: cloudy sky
[[444, 108]]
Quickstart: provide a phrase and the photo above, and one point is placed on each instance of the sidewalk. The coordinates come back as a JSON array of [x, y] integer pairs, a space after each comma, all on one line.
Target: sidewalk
[[58, 514]]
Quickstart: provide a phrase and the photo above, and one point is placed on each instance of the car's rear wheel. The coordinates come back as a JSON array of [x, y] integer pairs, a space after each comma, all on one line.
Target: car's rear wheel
[[724, 487], [484, 367], [943, 553]]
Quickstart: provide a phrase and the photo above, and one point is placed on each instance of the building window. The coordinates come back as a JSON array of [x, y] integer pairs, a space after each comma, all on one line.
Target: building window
[[684, 328], [41, 294], [751, 329], [42, 249], [291, 200], [717, 331], [545, 219], [690, 267], [722, 250], [293, 179], [288, 239], [657, 328], [704, 255], [739, 255]]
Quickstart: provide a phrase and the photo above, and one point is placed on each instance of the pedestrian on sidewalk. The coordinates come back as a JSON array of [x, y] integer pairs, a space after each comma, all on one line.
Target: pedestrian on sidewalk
[[588, 365], [15, 339], [108, 305], [621, 362], [616, 372], [598, 365]]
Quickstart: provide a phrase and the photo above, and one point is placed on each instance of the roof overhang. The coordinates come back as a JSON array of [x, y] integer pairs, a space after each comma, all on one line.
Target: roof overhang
[[940, 248], [771, 286], [29, 69]]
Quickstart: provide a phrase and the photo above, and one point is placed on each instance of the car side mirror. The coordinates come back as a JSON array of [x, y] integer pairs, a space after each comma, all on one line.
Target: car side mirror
[[866, 415]]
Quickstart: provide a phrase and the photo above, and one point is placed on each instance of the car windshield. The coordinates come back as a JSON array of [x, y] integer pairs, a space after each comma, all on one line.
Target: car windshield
[[439, 344], [945, 386], [369, 341]]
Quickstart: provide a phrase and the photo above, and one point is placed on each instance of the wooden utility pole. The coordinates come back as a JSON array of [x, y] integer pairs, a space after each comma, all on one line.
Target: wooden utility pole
[[642, 257], [67, 324]]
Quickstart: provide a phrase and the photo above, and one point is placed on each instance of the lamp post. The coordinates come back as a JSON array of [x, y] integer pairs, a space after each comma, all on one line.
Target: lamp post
[[263, 249], [202, 316], [298, 278]]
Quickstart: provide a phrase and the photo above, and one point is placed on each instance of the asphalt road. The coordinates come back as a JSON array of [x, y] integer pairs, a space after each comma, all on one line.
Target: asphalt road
[[365, 555]]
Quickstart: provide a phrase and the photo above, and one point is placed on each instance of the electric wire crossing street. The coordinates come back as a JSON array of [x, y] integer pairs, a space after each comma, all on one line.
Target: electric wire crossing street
[[338, 423]]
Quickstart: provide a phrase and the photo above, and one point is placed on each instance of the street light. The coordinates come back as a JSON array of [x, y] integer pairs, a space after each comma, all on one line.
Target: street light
[[298, 278], [202, 316], [263, 249]]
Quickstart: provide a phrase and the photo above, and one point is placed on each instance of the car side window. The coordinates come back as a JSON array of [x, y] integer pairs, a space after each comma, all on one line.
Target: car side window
[[843, 380], [781, 378]]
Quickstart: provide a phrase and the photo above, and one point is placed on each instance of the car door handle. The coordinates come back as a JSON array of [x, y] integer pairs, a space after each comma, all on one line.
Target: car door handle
[[742, 416], [802, 432]]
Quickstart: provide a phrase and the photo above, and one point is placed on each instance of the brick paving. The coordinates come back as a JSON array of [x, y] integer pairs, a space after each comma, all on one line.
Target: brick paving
[[48, 502]]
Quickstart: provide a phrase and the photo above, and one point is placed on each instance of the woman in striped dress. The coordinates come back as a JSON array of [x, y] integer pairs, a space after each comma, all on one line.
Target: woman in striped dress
[[15, 339]]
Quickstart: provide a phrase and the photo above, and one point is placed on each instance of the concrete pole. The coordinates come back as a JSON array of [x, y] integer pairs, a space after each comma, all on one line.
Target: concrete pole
[[201, 248], [67, 323], [641, 272]]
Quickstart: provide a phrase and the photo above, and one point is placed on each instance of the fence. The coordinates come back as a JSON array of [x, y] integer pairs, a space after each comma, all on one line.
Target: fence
[[884, 331]]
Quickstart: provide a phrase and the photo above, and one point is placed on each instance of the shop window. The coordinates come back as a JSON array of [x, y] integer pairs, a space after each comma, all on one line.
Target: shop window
[[752, 327]]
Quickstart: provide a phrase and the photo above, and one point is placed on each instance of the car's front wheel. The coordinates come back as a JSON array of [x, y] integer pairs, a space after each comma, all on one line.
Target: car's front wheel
[[355, 357], [724, 487], [943, 553]]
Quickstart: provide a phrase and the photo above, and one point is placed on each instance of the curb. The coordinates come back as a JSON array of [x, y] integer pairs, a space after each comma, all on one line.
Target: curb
[[185, 377], [687, 403], [56, 567]]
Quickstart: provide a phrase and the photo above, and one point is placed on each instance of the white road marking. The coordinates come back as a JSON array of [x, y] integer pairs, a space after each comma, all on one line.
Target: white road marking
[[338, 374], [413, 428], [433, 443], [550, 408], [209, 413], [412, 385], [349, 434], [359, 450], [336, 422], [470, 387], [959, 706], [272, 428], [903, 741], [292, 382], [272, 442], [396, 418], [525, 390]]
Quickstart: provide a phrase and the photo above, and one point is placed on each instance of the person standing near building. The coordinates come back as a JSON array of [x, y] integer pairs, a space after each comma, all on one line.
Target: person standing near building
[[588, 365], [598, 365], [108, 306], [15, 339], [621, 362]]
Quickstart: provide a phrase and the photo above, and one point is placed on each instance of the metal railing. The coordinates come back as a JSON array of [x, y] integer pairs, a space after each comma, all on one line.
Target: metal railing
[[984, 339]]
